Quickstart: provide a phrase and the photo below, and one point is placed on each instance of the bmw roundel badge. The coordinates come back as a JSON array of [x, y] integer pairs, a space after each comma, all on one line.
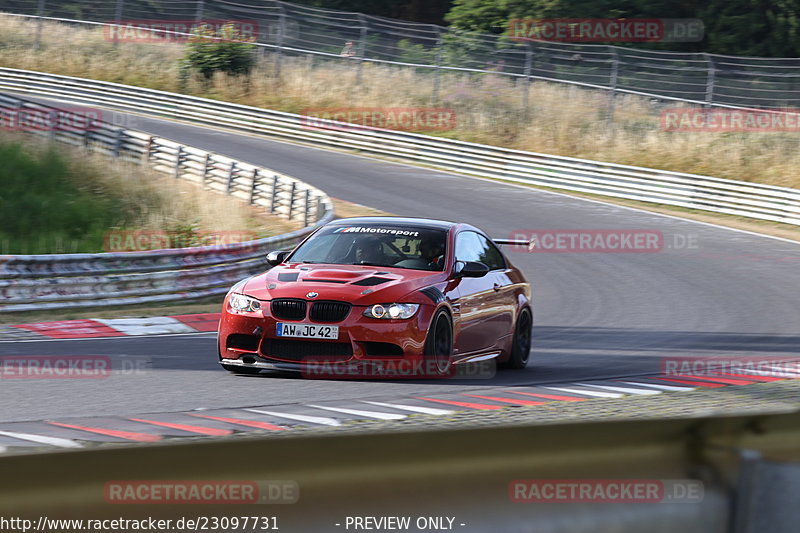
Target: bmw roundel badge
[[312, 295]]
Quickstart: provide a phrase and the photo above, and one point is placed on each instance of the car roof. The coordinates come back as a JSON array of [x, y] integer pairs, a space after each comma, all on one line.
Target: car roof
[[395, 221]]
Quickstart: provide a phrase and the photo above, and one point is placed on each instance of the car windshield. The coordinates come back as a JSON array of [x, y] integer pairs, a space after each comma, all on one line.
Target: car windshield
[[376, 245]]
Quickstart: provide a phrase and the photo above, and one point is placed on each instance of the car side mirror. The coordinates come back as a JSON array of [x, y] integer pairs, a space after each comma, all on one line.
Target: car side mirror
[[471, 269], [276, 258]]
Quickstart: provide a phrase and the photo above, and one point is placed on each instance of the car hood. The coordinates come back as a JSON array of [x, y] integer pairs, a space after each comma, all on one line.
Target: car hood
[[359, 285]]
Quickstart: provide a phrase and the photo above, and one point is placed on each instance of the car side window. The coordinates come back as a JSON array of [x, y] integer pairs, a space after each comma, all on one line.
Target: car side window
[[471, 246]]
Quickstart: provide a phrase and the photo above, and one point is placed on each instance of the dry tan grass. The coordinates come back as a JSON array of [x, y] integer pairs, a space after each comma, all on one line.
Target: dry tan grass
[[561, 120]]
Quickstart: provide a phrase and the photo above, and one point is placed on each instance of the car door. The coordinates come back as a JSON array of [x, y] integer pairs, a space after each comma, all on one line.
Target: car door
[[485, 316]]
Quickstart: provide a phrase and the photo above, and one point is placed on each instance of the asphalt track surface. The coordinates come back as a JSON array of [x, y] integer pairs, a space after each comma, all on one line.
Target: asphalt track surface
[[710, 292]]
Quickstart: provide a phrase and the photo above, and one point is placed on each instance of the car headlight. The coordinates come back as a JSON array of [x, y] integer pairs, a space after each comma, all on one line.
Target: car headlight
[[391, 311], [244, 304]]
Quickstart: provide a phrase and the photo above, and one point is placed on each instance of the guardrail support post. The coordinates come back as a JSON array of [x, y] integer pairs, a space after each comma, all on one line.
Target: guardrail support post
[[206, 168], [291, 200], [231, 174], [148, 148], [118, 142], [272, 204], [253, 187], [53, 125], [37, 40], [178, 162], [307, 208], [320, 209]]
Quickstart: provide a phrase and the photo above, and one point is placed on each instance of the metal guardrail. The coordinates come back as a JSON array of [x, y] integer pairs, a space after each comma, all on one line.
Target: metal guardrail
[[464, 471], [752, 200], [291, 29], [35, 282]]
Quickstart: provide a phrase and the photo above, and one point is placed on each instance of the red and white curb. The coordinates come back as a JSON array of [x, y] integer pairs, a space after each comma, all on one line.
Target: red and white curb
[[203, 422], [112, 327]]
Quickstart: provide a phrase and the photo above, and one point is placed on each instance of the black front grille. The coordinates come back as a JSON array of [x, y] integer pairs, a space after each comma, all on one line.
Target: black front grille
[[303, 350], [329, 311], [288, 309]]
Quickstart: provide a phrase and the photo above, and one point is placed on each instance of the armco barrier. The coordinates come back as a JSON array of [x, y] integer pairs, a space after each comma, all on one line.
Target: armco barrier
[[462, 471], [35, 282], [753, 200]]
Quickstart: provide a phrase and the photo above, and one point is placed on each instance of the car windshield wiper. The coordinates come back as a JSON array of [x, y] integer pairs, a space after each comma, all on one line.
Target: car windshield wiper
[[368, 263]]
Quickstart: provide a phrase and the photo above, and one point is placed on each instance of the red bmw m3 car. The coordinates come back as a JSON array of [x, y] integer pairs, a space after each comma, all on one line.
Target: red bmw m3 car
[[374, 292]]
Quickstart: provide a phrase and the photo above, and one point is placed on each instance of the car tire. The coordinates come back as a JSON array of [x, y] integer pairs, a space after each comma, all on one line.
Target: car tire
[[439, 344], [521, 345]]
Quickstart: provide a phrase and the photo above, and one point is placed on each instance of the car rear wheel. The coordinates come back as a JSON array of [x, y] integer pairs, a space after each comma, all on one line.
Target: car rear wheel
[[521, 346], [439, 344]]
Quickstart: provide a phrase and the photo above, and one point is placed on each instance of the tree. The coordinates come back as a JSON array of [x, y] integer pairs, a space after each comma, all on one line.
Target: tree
[[223, 51]]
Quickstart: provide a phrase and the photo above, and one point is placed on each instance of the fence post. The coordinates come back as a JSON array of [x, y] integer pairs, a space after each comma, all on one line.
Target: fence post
[[362, 47], [231, 174], [274, 201], [280, 37], [612, 83], [253, 187], [178, 161], [198, 16], [437, 81], [118, 17], [307, 209], [710, 80], [37, 41], [526, 85], [291, 200]]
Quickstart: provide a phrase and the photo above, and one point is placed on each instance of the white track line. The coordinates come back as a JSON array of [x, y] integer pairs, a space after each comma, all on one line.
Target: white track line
[[357, 412], [41, 439], [656, 386], [413, 408], [587, 392], [302, 418], [624, 390]]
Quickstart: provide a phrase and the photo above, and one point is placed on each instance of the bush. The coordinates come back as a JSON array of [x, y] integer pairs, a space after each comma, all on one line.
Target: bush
[[223, 51]]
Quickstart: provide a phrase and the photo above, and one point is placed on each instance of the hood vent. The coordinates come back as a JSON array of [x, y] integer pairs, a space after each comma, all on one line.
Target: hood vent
[[287, 276], [369, 282], [326, 280]]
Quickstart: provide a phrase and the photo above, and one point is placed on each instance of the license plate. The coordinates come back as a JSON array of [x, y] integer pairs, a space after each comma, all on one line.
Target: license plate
[[307, 331]]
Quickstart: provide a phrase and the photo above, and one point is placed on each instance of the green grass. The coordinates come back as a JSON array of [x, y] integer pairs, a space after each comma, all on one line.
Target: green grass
[[44, 208]]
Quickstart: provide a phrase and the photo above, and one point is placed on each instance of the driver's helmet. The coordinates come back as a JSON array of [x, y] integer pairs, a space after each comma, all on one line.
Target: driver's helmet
[[431, 250], [369, 250]]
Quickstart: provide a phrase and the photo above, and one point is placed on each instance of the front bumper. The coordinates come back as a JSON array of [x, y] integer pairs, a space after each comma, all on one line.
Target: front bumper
[[252, 336]]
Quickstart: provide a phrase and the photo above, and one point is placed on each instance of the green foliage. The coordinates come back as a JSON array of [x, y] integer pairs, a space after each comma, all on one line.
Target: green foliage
[[767, 28], [45, 207], [223, 51]]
